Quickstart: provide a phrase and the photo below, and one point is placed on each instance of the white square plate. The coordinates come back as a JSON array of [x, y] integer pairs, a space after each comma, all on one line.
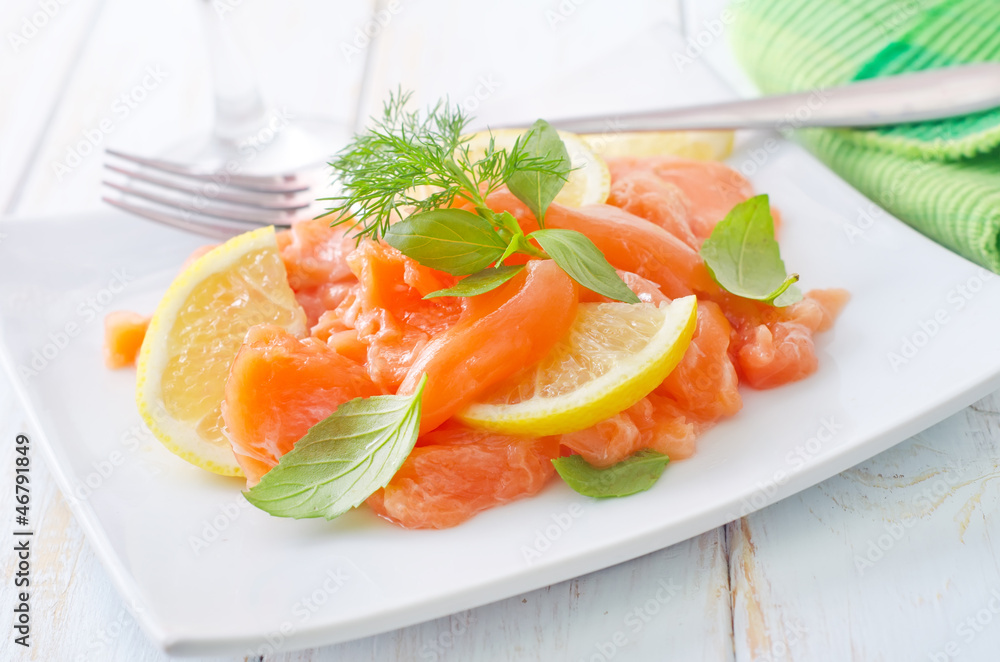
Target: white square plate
[[205, 573]]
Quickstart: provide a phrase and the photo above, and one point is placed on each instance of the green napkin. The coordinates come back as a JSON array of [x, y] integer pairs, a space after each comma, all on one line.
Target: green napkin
[[943, 178]]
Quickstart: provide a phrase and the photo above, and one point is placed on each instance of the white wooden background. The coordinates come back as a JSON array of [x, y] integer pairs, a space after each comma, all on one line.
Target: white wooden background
[[891, 560]]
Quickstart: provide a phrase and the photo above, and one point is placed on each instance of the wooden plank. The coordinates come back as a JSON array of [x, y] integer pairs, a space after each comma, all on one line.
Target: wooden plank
[[39, 53], [674, 600], [887, 561]]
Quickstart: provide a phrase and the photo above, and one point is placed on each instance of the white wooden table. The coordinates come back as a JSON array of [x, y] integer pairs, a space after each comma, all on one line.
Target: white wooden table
[[892, 560]]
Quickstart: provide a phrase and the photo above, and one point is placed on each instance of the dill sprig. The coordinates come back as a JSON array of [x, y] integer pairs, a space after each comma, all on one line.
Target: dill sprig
[[390, 168]]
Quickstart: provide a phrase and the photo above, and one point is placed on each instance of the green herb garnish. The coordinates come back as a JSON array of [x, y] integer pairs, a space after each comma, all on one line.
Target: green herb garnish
[[584, 262], [402, 150], [479, 282], [343, 459], [405, 152], [630, 476], [452, 240], [538, 188], [743, 256]]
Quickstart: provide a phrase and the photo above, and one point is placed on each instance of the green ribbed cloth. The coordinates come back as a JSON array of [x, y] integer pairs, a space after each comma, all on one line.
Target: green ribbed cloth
[[943, 177]]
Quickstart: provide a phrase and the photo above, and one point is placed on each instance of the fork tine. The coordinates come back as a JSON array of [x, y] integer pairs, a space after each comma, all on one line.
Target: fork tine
[[255, 199], [245, 217], [213, 230], [292, 182]]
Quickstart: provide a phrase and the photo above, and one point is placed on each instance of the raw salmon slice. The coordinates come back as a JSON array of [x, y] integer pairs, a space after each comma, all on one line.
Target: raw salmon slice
[[705, 384], [387, 313], [654, 422], [774, 346], [123, 335], [456, 472], [279, 387], [628, 242], [315, 259], [500, 333], [645, 289], [707, 189], [659, 202]]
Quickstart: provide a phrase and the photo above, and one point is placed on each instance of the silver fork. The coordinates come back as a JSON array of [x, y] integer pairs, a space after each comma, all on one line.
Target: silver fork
[[904, 98], [221, 205], [216, 204]]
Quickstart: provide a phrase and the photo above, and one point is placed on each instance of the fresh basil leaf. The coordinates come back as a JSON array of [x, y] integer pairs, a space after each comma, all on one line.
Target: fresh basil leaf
[[635, 474], [786, 294], [743, 256], [343, 459], [584, 262], [538, 188], [515, 245], [479, 282], [452, 240]]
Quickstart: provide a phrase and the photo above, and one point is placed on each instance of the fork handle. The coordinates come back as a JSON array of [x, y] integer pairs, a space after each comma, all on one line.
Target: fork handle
[[914, 97]]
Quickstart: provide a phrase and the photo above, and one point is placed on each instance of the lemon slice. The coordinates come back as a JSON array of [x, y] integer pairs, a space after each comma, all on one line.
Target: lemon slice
[[590, 180], [613, 356], [194, 335], [701, 145]]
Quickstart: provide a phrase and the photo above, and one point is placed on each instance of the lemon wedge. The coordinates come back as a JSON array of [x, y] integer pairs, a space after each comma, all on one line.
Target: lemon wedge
[[196, 331], [613, 356], [700, 145], [589, 180]]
